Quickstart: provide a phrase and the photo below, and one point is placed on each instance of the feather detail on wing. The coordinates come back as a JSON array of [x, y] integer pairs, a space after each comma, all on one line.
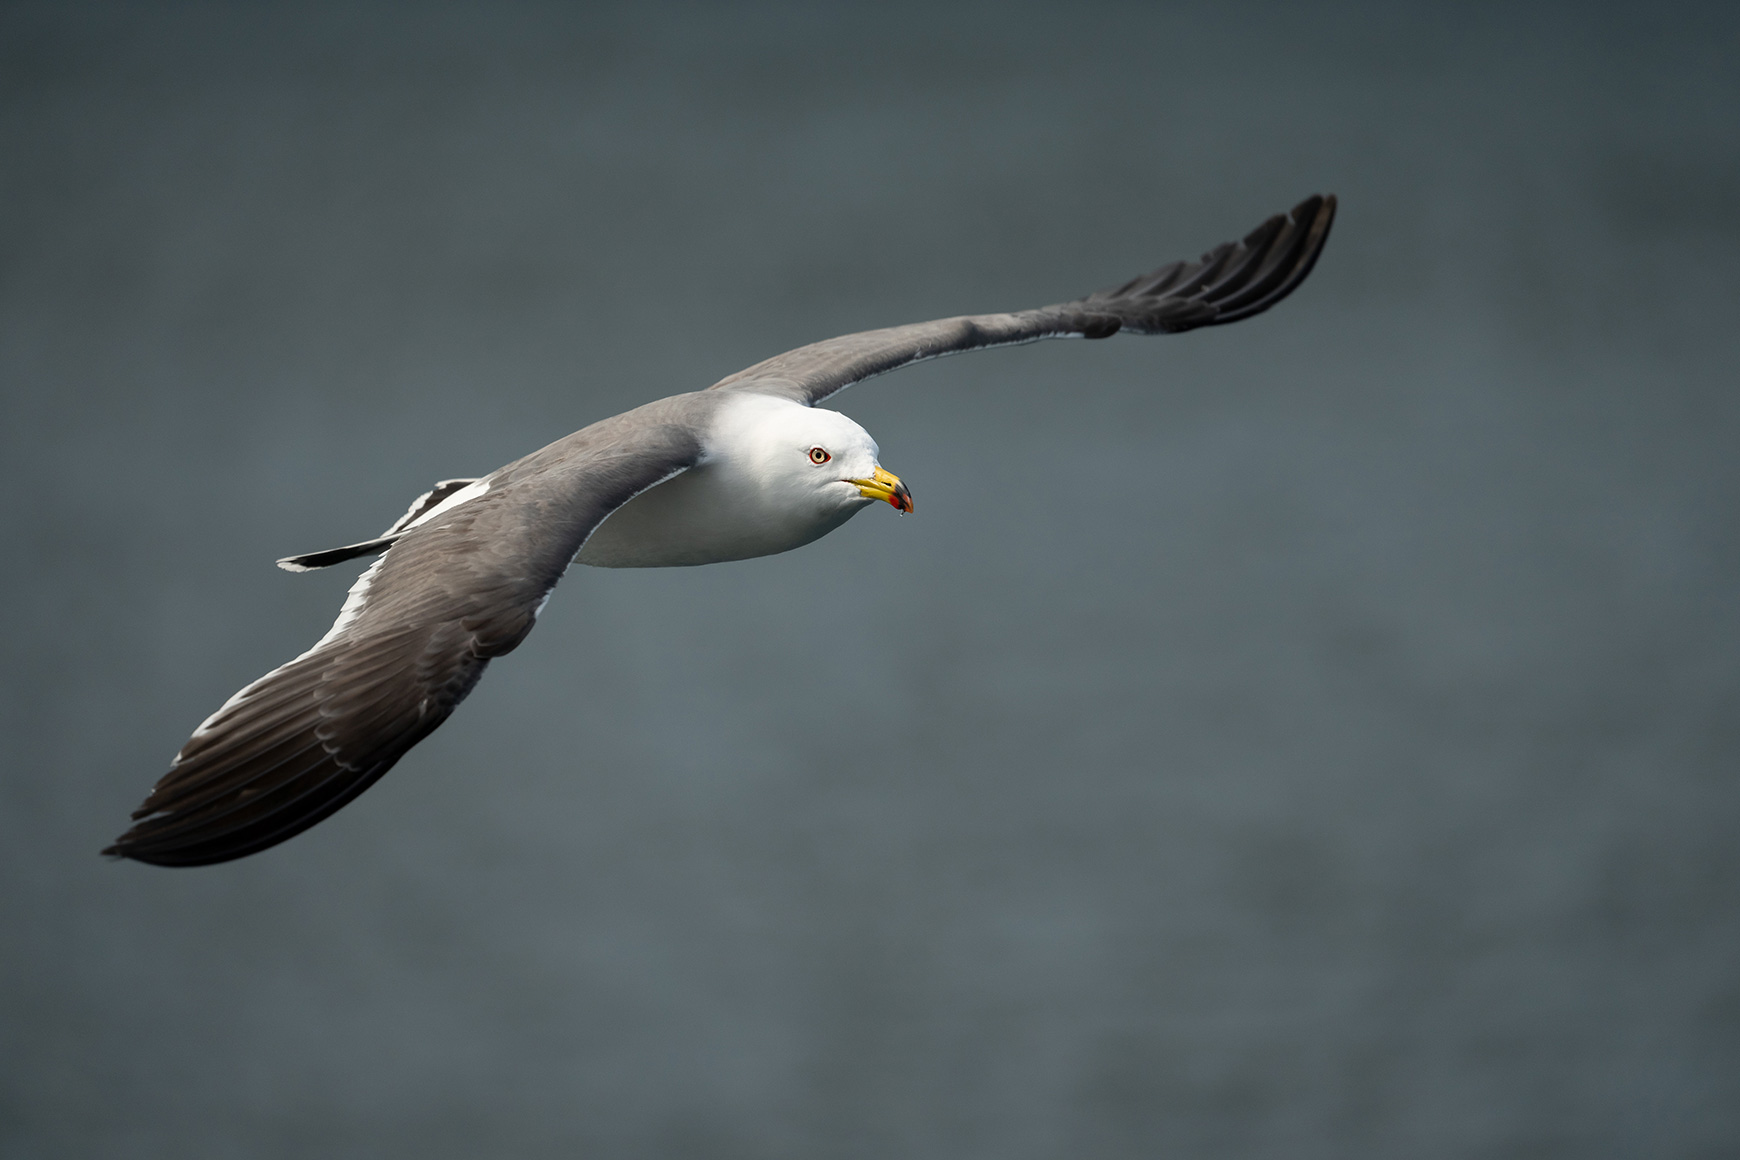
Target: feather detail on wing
[[416, 632], [1231, 282]]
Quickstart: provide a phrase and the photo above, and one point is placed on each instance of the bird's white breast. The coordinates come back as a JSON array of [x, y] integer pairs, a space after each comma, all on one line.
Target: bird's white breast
[[753, 493]]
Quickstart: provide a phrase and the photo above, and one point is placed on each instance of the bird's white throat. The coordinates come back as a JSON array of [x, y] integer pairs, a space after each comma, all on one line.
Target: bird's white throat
[[758, 490]]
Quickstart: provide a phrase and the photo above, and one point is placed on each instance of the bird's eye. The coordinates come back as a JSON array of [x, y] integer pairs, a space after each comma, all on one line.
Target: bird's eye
[[819, 455]]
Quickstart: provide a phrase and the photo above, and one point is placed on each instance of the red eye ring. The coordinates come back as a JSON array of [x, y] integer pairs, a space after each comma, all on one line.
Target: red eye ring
[[819, 455]]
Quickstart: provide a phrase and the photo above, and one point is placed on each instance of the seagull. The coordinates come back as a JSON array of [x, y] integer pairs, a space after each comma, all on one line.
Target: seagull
[[748, 467]]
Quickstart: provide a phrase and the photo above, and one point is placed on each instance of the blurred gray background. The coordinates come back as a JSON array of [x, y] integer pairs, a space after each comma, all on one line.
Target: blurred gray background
[[1312, 738]]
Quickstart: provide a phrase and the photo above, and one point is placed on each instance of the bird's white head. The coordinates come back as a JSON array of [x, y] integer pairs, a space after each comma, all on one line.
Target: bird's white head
[[807, 459]]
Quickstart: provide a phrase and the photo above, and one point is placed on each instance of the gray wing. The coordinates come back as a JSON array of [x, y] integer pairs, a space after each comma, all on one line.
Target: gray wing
[[1231, 282], [416, 633]]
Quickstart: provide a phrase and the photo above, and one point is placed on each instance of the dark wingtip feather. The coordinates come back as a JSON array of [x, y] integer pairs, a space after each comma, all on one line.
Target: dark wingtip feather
[[1230, 282]]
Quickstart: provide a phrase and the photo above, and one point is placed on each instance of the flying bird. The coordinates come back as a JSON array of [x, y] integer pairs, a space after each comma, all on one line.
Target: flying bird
[[748, 467]]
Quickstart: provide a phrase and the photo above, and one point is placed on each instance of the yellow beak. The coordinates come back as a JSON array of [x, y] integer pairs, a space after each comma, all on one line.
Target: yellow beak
[[885, 485]]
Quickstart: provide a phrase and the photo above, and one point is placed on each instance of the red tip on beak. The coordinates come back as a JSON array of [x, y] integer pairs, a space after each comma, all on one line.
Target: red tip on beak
[[884, 484]]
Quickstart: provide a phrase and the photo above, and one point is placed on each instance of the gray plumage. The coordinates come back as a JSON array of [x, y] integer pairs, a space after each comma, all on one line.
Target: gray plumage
[[466, 570], [1231, 282]]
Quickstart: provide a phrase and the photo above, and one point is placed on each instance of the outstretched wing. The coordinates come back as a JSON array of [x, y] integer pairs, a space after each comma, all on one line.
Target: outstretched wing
[[415, 635], [1231, 282]]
